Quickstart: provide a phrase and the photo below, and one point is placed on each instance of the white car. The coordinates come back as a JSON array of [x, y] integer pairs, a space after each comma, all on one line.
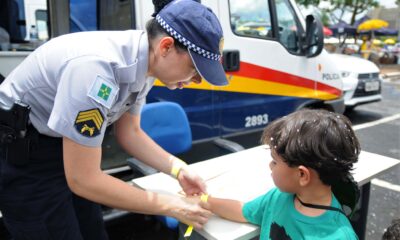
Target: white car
[[361, 81]]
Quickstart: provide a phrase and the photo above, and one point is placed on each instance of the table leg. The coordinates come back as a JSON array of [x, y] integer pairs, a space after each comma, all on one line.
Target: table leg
[[359, 220]]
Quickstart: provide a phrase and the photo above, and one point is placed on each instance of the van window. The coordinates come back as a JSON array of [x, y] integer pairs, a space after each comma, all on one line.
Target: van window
[[250, 18], [288, 25], [23, 24], [41, 24], [115, 14], [83, 15]]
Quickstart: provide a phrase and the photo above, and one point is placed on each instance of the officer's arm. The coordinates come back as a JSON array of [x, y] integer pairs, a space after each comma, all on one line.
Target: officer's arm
[[137, 143], [85, 178]]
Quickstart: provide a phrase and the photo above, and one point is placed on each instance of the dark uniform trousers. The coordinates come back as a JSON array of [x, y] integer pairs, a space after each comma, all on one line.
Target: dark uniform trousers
[[36, 202]]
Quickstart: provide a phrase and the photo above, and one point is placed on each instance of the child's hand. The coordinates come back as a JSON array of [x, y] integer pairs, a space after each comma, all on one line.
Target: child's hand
[[189, 211], [202, 200]]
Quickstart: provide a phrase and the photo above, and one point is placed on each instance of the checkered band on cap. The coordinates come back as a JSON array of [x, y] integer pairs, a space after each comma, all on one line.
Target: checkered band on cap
[[186, 42]]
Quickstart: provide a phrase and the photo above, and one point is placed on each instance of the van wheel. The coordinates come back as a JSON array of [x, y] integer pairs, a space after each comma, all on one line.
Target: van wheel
[[349, 109], [2, 78], [318, 106]]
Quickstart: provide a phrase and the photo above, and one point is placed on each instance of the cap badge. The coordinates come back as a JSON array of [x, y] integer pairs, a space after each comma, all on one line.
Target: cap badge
[[221, 45]]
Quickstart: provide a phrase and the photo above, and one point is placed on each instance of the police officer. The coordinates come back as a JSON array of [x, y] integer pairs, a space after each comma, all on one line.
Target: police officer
[[78, 84]]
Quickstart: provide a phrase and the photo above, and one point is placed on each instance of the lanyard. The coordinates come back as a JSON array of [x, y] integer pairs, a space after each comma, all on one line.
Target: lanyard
[[320, 206]]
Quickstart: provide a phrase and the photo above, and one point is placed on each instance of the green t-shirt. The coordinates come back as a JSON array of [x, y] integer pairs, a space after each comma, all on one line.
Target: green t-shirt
[[279, 220]]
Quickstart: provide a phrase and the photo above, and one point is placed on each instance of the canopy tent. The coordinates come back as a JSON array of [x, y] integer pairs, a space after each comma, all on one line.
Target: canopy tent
[[386, 31], [342, 28], [361, 20], [327, 31], [376, 42], [372, 24], [381, 32], [390, 41]]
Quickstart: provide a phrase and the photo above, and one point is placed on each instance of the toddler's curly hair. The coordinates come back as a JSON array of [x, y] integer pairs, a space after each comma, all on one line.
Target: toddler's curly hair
[[321, 140]]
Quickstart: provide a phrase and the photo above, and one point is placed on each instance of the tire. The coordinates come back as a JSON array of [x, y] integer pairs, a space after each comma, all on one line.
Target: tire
[[2, 78], [350, 109]]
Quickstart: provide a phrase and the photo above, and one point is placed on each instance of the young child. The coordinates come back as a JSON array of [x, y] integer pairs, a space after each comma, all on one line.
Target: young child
[[393, 231], [311, 151]]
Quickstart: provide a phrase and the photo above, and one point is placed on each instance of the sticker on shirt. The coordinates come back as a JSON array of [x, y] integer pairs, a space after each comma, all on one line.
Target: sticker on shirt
[[103, 91], [88, 123]]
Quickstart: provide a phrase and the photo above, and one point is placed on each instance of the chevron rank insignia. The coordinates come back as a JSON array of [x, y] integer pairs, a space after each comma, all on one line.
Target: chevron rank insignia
[[88, 123]]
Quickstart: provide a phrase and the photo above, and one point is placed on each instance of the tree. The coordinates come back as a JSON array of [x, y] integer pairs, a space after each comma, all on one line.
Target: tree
[[325, 18], [354, 7]]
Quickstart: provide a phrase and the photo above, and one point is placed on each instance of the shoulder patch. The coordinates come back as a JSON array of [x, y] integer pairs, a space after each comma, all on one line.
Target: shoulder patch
[[103, 91], [88, 123]]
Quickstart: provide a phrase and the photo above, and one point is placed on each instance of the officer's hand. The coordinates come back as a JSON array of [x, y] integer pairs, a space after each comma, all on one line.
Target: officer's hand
[[191, 183], [190, 212]]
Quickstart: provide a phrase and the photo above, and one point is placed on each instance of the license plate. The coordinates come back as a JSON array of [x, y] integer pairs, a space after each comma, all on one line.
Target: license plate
[[371, 86]]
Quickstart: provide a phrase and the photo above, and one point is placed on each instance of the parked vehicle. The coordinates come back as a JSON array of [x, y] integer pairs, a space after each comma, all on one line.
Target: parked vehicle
[[274, 59], [361, 81]]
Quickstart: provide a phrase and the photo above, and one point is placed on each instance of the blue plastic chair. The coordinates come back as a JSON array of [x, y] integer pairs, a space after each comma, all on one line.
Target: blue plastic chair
[[167, 124]]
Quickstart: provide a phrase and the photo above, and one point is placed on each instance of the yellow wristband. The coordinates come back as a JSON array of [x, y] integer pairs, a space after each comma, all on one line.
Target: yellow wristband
[[204, 198], [175, 171], [189, 230], [177, 165]]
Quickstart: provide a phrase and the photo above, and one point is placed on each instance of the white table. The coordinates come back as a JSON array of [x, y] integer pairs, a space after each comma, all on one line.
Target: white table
[[245, 175]]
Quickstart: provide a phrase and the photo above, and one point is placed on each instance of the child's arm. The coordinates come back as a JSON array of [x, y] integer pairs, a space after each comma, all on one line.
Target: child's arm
[[226, 208]]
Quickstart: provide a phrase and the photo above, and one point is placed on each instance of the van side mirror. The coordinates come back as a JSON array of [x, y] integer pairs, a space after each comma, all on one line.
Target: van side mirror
[[314, 39]]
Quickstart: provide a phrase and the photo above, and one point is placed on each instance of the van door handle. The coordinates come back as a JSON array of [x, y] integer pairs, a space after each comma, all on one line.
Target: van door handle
[[231, 60]]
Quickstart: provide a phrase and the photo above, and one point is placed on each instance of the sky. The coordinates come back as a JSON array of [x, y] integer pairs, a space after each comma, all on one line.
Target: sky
[[384, 3], [347, 16], [388, 3]]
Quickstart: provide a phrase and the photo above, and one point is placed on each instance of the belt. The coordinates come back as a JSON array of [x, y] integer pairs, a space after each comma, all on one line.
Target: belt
[[38, 140], [34, 147]]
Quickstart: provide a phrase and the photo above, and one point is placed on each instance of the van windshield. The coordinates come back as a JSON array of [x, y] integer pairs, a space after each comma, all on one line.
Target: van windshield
[[250, 18], [288, 26]]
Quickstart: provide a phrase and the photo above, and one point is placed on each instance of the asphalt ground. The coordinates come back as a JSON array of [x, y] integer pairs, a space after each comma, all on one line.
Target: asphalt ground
[[383, 139]]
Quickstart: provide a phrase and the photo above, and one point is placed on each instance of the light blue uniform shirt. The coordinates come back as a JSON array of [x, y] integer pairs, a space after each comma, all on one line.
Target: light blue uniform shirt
[[80, 83]]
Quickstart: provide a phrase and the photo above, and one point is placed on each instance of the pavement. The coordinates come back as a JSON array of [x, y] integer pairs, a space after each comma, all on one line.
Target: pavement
[[390, 72]]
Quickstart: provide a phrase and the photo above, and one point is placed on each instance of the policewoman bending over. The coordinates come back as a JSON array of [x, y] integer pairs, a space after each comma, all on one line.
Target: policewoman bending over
[[78, 84]]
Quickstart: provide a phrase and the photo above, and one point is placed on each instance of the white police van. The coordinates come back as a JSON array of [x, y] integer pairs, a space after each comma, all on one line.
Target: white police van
[[273, 57]]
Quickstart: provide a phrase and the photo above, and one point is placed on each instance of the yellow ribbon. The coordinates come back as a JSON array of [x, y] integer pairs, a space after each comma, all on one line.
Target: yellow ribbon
[[177, 165], [189, 230]]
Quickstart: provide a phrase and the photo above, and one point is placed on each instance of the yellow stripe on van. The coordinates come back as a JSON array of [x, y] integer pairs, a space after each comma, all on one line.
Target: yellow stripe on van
[[255, 86]]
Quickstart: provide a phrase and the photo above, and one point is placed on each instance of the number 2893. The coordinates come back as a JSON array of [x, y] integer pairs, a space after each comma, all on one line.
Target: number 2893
[[256, 120]]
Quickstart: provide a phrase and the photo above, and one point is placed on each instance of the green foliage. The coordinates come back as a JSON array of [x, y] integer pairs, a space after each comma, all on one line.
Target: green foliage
[[354, 7], [307, 3], [325, 19]]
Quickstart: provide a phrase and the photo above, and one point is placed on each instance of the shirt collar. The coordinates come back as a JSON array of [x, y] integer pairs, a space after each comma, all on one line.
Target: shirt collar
[[142, 59], [135, 73]]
